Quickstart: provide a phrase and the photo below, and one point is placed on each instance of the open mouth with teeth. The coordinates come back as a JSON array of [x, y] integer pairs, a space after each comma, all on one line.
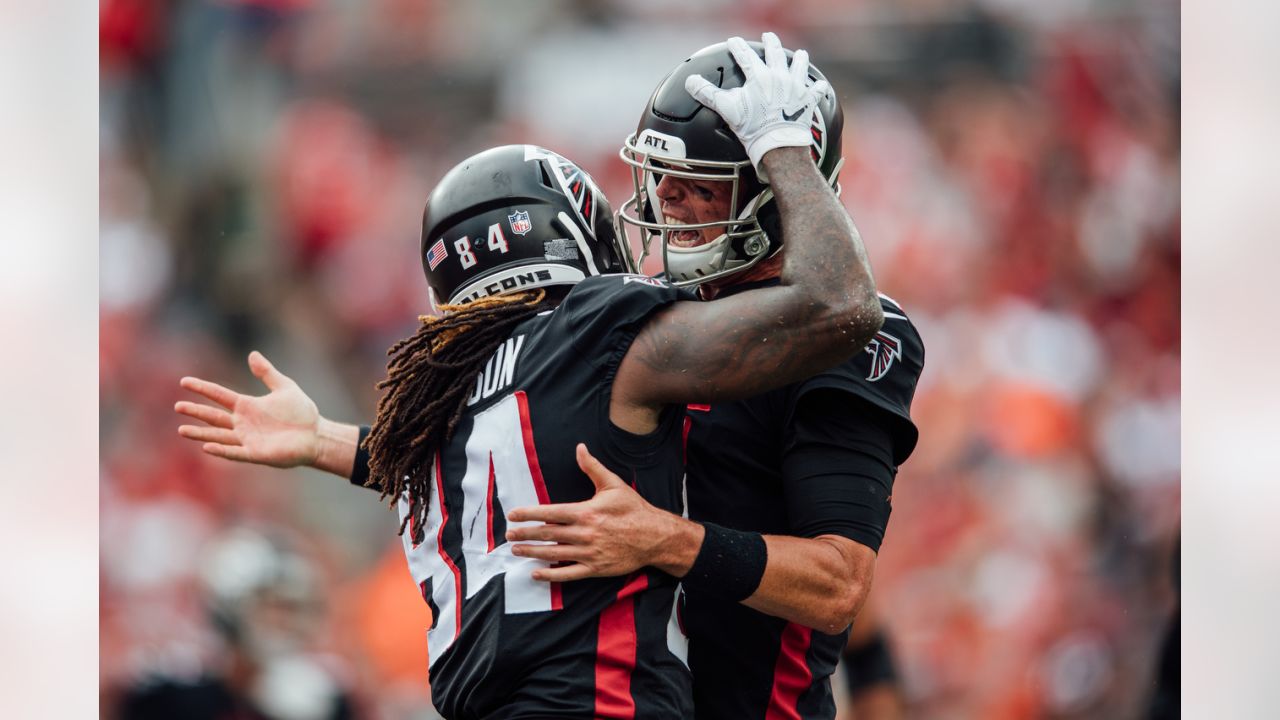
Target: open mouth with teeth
[[682, 238]]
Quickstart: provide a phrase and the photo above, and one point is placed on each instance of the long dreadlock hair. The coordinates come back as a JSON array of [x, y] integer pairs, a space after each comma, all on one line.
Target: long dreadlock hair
[[429, 378]]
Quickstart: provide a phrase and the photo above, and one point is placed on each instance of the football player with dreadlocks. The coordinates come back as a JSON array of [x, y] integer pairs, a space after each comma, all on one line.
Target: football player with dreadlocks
[[801, 475], [539, 347]]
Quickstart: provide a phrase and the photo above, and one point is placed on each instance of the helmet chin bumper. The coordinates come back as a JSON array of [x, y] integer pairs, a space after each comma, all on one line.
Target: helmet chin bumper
[[687, 266]]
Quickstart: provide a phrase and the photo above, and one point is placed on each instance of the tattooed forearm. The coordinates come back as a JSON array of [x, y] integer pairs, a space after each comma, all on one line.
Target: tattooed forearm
[[824, 251], [720, 354], [824, 311]]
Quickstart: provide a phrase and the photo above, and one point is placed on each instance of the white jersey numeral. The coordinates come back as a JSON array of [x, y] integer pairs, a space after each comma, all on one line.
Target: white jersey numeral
[[465, 256], [429, 562], [502, 463], [497, 241]]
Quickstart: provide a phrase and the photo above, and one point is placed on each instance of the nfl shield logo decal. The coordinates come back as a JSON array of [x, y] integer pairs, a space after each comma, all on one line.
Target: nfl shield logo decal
[[520, 223]]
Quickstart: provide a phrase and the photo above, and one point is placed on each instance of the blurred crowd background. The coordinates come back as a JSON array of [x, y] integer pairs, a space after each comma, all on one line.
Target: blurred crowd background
[[1013, 166]]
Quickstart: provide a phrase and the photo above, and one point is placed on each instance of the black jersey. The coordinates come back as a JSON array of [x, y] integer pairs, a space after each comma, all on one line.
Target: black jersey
[[502, 645], [816, 457]]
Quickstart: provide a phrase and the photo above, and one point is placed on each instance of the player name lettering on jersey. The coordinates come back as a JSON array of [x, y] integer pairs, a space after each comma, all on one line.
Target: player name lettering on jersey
[[498, 371]]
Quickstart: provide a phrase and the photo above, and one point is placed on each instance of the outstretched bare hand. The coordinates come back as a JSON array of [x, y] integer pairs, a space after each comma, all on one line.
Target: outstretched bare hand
[[280, 429]]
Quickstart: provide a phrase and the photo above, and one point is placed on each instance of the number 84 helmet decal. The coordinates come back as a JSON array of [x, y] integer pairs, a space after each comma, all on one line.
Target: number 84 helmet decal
[[514, 218]]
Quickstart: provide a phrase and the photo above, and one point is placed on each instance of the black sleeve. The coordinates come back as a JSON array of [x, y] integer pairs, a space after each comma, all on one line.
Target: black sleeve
[[360, 471], [600, 316], [884, 376], [838, 467], [607, 311]]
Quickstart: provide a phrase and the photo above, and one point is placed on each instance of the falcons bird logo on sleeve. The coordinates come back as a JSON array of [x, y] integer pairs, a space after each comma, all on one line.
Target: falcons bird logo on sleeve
[[883, 349]]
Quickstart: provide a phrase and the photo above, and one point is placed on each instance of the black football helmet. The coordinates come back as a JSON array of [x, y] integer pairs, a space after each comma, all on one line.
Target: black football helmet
[[679, 136], [515, 218]]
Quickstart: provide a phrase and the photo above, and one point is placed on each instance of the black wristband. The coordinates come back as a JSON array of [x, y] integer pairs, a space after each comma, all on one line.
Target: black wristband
[[869, 664], [729, 565], [360, 471]]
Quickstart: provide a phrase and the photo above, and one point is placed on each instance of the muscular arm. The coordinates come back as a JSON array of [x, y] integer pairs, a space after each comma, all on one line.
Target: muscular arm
[[824, 311], [838, 470], [818, 582]]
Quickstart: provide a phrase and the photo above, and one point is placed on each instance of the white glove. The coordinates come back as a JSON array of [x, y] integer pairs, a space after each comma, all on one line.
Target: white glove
[[774, 107]]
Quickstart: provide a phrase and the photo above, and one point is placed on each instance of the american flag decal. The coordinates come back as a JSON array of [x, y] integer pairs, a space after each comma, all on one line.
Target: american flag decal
[[436, 254], [883, 349]]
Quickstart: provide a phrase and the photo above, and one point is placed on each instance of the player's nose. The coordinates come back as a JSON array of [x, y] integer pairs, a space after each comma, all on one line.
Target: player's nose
[[670, 189]]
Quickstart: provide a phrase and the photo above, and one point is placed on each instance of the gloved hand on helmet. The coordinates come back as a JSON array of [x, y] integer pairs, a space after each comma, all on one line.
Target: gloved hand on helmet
[[774, 107]]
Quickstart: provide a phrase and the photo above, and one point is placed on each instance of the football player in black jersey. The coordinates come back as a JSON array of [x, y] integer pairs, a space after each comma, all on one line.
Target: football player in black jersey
[[484, 405], [809, 466]]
